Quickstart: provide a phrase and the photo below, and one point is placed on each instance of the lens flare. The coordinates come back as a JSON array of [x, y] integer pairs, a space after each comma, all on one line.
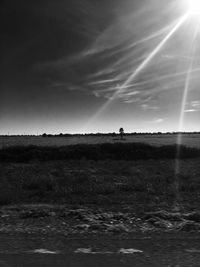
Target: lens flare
[[194, 6], [151, 56], [139, 69], [181, 120], [186, 90]]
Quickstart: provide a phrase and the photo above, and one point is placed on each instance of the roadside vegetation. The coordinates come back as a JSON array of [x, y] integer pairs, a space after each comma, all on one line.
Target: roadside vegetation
[[105, 182]]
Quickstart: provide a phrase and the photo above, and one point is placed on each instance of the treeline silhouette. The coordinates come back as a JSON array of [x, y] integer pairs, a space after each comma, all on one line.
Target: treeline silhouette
[[100, 134], [107, 151]]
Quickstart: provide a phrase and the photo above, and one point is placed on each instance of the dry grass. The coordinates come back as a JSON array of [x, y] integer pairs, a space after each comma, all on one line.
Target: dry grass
[[103, 182]]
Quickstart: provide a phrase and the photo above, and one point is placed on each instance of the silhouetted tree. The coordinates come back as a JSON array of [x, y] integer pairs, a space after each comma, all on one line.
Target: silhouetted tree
[[121, 132]]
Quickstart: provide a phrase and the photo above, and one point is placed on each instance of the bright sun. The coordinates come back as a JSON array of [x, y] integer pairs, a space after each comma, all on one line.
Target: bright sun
[[194, 6]]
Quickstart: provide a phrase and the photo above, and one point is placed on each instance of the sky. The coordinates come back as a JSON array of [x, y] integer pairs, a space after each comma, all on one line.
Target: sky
[[81, 66]]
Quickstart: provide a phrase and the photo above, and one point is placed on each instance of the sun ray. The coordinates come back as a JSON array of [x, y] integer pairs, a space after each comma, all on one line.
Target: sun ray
[[150, 57], [181, 121], [167, 76], [187, 87], [140, 68], [143, 40]]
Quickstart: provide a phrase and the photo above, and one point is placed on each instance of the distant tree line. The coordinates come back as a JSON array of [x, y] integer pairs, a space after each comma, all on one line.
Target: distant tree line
[[113, 134]]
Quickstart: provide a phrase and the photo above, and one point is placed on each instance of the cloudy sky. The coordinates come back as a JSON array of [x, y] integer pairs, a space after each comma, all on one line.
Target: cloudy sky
[[97, 65]]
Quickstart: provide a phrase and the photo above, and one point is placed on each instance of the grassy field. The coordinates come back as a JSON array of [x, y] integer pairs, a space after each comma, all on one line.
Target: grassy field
[[103, 182], [191, 140], [99, 170]]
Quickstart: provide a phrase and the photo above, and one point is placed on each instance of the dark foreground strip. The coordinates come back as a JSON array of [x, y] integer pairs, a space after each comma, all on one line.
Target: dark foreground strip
[[117, 151]]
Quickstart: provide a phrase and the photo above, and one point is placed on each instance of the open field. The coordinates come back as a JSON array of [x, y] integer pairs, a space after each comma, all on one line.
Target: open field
[[191, 140], [102, 182], [132, 179], [98, 173]]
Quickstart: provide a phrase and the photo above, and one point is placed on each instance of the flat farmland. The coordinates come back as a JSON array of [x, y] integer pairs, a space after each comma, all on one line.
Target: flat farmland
[[190, 140]]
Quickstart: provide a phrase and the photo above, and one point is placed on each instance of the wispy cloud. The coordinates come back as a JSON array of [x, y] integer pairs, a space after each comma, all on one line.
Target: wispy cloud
[[190, 110], [156, 121], [116, 52], [193, 106], [149, 107]]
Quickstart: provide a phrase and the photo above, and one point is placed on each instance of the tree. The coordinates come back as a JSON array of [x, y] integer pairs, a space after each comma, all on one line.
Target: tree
[[121, 132]]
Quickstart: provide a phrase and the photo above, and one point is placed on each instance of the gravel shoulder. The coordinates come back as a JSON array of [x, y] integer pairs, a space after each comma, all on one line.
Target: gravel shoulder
[[70, 220]]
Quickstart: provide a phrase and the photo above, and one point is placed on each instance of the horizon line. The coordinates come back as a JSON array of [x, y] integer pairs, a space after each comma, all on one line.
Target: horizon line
[[102, 133]]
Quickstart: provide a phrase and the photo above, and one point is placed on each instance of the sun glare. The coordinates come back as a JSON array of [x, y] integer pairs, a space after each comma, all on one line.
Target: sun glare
[[194, 6]]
